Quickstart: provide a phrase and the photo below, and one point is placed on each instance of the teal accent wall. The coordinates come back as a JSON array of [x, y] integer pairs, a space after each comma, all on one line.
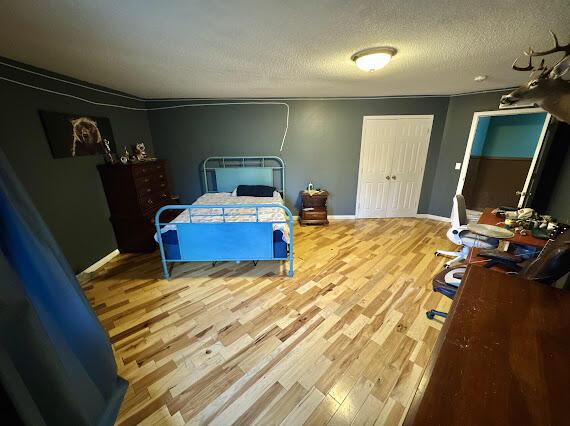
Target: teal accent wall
[[480, 136], [508, 136]]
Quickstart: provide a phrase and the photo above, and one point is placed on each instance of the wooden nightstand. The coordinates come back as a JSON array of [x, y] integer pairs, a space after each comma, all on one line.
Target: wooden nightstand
[[313, 208]]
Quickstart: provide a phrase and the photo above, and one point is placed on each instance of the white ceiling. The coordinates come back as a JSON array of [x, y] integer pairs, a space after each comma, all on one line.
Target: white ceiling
[[279, 48]]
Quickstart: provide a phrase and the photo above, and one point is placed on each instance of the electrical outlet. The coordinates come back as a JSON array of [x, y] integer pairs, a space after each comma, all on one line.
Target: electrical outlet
[[457, 166]]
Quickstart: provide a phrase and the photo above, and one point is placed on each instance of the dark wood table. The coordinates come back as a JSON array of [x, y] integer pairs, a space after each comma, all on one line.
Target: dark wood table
[[488, 218], [502, 357]]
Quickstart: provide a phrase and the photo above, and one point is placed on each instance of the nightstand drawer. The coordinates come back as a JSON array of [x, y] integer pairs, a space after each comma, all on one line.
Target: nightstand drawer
[[319, 214]]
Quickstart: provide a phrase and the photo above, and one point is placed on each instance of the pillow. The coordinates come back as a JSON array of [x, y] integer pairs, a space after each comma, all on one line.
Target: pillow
[[255, 191]]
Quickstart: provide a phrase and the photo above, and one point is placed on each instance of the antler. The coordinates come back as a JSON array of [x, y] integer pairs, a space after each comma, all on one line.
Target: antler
[[542, 69], [557, 48], [529, 67]]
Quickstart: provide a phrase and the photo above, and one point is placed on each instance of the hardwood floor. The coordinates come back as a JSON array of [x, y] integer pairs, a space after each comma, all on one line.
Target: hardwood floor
[[343, 341]]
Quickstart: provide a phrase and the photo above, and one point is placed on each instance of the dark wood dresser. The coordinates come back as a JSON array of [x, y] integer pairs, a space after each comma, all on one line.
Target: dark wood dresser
[[134, 193], [313, 208]]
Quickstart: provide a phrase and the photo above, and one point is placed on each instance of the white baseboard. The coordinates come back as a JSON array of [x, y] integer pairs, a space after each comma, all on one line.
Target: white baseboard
[[433, 217], [100, 262]]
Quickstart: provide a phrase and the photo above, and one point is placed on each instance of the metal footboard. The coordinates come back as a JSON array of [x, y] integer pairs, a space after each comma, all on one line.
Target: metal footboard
[[225, 239]]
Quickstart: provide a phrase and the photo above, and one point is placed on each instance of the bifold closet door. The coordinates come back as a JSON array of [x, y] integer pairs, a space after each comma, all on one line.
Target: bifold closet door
[[378, 138], [408, 163], [392, 162]]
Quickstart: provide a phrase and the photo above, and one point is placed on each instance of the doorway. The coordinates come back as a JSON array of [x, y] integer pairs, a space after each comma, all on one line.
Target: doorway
[[393, 153], [501, 156]]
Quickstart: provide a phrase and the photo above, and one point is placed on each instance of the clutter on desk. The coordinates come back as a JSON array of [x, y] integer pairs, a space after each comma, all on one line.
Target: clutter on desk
[[490, 231], [527, 221]]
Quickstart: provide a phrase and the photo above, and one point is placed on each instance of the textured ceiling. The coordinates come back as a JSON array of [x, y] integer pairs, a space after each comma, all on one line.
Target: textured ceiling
[[279, 48]]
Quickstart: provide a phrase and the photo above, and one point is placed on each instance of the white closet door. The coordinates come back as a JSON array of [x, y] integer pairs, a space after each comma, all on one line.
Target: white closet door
[[392, 161], [410, 152], [378, 138]]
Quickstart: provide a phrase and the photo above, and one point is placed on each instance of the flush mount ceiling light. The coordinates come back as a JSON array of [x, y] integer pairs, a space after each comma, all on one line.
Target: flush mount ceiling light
[[373, 59]]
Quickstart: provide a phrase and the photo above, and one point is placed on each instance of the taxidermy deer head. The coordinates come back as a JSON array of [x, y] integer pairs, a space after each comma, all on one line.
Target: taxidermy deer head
[[546, 88]]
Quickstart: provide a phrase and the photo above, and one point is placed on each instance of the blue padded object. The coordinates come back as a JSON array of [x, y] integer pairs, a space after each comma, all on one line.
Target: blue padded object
[[225, 240], [170, 242], [228, 178], [56, 361], [231, 241], [279, 246]]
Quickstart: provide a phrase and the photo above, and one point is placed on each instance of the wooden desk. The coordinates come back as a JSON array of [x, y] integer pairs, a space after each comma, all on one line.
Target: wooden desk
[[488, 218], [502, 357]]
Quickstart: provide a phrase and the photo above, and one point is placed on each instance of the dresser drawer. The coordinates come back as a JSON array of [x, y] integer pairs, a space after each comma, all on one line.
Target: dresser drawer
[[148, 168], [154, 200], [150, 185]]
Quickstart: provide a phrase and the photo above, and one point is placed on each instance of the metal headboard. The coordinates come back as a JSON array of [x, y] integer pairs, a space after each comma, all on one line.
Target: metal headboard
[[274, 166]]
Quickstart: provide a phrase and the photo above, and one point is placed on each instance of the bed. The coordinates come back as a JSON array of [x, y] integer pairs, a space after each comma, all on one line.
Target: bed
[[221, 226]]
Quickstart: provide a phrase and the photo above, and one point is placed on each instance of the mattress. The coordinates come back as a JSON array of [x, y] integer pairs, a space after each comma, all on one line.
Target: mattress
[[266, 214]]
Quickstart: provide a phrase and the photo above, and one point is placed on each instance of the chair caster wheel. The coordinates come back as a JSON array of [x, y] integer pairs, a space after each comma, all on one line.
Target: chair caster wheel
[[445, 266], [436, 253], [430, 315]]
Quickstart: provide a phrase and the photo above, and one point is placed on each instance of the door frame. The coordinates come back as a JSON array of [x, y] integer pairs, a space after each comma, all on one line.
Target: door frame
[[474, 123], [360, 162]]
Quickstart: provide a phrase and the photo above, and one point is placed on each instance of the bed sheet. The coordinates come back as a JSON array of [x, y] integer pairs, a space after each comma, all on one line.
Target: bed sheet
[[266, 214]]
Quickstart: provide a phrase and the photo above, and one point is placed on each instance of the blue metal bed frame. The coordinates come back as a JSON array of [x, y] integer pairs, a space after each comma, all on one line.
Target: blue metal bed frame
[[227, 240]]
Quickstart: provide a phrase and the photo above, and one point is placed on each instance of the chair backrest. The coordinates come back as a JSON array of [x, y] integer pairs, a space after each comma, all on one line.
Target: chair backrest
[[459, 212], [552, 263]]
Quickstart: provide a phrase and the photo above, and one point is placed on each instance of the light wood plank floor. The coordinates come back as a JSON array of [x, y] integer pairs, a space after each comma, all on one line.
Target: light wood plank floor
[[343, 341]]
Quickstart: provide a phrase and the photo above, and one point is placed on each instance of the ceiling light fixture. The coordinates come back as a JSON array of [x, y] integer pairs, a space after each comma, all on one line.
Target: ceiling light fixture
[[373, 59]]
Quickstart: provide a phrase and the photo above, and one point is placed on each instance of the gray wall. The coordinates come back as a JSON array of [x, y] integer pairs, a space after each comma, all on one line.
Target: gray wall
[[322, 146], [453, 144], [67, 192]]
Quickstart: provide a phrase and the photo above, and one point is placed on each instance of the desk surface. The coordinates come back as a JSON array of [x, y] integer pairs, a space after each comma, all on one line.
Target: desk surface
[[488, 218], [502, 357]]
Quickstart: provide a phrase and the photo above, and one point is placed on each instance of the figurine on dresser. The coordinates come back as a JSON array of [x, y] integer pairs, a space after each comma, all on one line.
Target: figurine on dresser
[[140, 152], [139, 155]]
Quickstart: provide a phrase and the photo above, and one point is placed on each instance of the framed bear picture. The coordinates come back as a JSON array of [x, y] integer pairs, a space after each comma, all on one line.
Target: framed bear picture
[[74, 135]]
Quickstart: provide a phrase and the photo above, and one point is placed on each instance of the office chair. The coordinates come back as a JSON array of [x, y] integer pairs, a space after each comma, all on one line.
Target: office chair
[[552, 263], [460, 235]]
